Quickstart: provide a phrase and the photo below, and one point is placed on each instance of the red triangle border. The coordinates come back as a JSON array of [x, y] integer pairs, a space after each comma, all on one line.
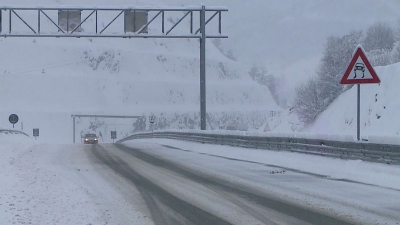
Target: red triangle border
[[360, 53]]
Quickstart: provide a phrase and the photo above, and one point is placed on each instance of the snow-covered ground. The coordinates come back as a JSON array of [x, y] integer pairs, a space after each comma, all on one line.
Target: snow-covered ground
[[58, 184], [46, 80], [360, 191], [65, 184], [379, 110]]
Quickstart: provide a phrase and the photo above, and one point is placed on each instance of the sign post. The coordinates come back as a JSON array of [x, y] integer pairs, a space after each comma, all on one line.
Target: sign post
[[359, 72], [358, 112], [152, 120]]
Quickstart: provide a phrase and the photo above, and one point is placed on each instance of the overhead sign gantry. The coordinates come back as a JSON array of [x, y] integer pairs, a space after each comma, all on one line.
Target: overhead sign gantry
[[134, 27]]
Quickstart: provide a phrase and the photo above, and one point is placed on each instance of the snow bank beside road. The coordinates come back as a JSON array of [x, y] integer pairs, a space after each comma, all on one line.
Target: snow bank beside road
[[353, 170], [380, 107], [60, 184]]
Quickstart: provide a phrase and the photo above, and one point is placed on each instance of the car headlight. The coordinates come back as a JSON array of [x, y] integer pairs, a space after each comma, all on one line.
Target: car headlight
[[95, 139], [86, 139]]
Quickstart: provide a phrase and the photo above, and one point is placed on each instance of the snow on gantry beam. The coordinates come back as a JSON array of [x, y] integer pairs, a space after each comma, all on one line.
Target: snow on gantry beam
[[108, 116], [136, 21], [107, 36], [147, 8]]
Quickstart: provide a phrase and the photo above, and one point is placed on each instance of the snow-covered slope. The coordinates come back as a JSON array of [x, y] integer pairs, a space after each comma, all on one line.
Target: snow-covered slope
[[46, 80], [287, 37], [380, 107], [121, 77]]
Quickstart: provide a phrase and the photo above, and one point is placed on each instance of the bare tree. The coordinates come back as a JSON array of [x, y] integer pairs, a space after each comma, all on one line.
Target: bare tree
[[398, 29], [336, 58], [256, 119], [379, 36], [307, 103], [218, 43], [229, 54], [261, 76], [396, 53], [318, 93]]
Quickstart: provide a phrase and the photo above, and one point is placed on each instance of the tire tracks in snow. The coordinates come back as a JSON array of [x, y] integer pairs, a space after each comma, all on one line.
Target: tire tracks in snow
[[166, 208], [159, 201]]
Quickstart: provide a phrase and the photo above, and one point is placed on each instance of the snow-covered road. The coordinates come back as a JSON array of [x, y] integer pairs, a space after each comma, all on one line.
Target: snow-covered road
[[172, 182], [177, 194], [310, 189], [60, 184]]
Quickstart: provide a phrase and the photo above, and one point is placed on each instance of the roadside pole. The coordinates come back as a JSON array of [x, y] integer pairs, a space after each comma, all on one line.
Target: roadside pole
[[359, 72], [358, 111]]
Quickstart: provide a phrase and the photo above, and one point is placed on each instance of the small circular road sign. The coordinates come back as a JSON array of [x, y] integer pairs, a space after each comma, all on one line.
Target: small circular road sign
[[13, 119]]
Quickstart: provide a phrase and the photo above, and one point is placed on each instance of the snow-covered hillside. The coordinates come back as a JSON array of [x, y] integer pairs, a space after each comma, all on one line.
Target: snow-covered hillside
[[380, 106], [44, 81], [287, 37]]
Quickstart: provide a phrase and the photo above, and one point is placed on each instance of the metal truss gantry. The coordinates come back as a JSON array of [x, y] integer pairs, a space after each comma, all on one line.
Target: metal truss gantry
[[157, 15]]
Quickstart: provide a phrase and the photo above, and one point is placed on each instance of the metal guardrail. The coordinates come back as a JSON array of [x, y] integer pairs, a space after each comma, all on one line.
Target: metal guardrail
[[382, 153], [5, 131]]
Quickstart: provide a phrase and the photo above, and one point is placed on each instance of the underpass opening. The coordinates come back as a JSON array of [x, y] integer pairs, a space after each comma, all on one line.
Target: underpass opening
[[104, 126]]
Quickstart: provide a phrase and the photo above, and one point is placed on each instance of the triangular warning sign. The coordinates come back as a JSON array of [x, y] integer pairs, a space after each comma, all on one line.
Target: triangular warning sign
[[360, 70]]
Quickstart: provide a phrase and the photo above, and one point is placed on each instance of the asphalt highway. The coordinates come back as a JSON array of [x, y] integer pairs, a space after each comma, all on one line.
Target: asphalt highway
[[175, 193]]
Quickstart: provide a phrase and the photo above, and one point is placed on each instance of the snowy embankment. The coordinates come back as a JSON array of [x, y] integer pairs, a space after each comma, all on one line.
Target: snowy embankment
[[46, 80], [353, 170], [380, 107], [138, 77], [57, 184]]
